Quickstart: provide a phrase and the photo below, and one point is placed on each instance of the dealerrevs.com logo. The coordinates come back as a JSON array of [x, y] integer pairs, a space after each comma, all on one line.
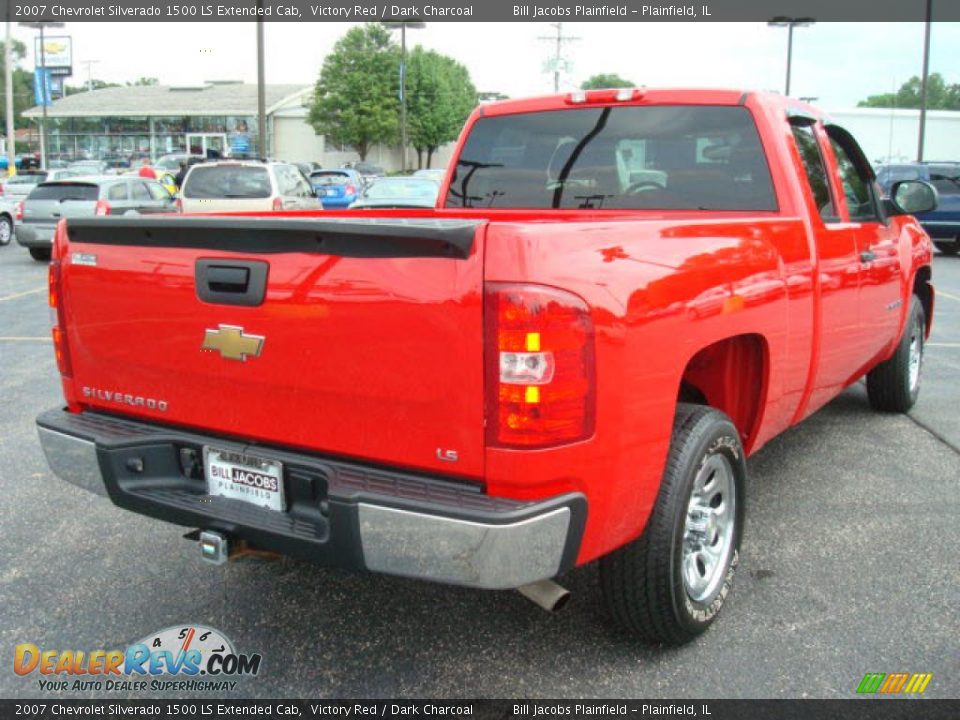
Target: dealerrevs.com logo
[[179, 658]]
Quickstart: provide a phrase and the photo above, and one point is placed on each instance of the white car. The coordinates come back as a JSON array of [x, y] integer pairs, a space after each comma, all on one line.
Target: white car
[[246, 186]]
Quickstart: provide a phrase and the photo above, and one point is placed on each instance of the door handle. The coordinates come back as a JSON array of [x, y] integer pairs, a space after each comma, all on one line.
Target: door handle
[[867, 256]]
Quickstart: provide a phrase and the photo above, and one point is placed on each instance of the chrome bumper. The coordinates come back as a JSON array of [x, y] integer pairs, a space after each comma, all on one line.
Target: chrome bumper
[[530, 542]]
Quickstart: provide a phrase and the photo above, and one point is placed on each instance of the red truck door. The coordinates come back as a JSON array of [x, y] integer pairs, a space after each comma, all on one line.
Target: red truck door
[[878, 250], [838, 272]]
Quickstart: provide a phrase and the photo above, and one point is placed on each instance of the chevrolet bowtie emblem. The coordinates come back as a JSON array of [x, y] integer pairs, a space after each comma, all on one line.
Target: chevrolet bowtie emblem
[[232, 342]]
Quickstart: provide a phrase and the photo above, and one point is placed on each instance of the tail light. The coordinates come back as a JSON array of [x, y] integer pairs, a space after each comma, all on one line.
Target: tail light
[[179, 205], [351, 189], [1, 188], [102, 208], [277, 204], [540, 379], [58, 325], [18, 211]]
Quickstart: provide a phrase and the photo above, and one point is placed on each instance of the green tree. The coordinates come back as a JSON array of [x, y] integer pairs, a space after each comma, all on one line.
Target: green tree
[[940, 95], [94, 84], [605, 80], [144, 81], [22, 86], [440, 97], [356, 101]]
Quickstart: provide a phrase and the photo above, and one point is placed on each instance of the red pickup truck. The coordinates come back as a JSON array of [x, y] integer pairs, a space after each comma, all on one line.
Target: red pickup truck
[[620, 296]]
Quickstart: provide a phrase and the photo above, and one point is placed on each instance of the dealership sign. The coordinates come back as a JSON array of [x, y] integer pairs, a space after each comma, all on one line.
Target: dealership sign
[[57, 55]]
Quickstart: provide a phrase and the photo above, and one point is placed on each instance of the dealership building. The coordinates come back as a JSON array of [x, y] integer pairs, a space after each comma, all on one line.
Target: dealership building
[[214, 116]]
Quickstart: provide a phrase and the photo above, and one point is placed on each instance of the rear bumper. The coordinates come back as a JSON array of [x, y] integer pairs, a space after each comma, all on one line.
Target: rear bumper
[[339, 514], [30, 236]]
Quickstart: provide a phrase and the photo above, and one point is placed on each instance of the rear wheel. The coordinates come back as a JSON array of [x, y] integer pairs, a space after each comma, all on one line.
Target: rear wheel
[[948, 247], [39, 253], [668, 585], [6, 230], [893, 385]]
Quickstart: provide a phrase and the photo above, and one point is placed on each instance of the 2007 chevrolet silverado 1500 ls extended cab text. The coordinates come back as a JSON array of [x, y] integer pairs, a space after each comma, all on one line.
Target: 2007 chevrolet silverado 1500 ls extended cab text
[[620, 295]]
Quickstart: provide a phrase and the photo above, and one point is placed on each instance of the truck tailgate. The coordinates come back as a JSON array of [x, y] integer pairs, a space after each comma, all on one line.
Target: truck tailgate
[[368, 341]]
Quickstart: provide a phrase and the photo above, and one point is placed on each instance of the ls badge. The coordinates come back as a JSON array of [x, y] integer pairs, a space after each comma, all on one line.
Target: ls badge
[[232, 342]]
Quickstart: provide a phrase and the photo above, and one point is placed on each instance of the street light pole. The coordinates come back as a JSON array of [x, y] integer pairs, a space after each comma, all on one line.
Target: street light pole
[[923, 82], [403, 24], [790, 24], [8, 87]]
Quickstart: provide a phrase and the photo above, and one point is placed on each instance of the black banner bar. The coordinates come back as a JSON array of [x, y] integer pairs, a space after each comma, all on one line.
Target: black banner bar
[[205, 709], [474, 10]]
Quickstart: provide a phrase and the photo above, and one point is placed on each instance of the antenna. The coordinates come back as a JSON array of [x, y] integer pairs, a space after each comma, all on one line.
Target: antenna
[[558, 61]]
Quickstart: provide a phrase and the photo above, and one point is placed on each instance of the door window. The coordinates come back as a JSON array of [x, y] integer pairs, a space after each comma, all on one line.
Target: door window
[[117, 192], [854, 176], [140, 192], [158, 191], [816, 171]]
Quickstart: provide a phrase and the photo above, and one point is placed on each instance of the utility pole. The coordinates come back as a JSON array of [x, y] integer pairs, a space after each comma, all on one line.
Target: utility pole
[[403, 25], [923, 82], [261, 91], [8, 80], [89, 64], [558, 59]]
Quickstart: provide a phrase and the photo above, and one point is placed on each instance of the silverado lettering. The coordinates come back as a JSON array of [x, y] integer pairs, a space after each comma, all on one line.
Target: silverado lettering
[[621, 295]]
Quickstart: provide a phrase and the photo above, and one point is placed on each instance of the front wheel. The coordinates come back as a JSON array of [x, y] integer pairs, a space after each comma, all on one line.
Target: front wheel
[[893, 385], [668, 585]]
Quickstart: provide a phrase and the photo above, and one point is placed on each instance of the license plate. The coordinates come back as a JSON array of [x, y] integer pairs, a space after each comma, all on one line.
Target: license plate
[[244, 477]]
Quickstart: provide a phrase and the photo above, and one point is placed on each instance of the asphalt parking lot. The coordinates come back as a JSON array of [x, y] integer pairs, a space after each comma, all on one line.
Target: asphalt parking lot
[[849, 566]]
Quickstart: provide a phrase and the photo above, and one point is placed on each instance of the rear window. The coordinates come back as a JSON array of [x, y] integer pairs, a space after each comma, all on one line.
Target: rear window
[[679, 157], [227, 181], [64, 191], [330, 178]]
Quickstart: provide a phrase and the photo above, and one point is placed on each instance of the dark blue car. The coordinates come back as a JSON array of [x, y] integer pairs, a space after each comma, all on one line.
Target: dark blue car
[[336, 188], [942, 224]]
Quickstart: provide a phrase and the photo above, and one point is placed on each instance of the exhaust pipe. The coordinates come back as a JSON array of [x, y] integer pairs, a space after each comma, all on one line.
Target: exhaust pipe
[[547, 594]]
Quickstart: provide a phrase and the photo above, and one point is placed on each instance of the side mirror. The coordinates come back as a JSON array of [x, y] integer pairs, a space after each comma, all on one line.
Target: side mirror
[[912, 197]]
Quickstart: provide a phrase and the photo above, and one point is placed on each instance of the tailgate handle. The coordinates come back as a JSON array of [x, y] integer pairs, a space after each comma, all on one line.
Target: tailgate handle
[[231, 282], [228, 279]]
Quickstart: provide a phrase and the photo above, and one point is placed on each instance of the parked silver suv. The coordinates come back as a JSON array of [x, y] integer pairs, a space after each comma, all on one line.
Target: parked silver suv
[[48, 203]]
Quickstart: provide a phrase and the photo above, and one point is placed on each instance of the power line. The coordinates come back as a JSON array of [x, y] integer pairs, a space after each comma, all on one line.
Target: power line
[[558, 61]]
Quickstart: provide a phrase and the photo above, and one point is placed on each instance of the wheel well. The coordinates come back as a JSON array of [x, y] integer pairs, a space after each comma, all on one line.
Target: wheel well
[[729, 375], [922, 289]]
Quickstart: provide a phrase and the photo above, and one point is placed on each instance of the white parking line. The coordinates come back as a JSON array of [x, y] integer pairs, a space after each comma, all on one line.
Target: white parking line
[[31, 292], [941, 293], [944, 344], [41, 339]]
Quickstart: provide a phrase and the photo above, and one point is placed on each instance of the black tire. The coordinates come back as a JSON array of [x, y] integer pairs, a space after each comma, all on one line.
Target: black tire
[[948, 247], [890, 385], [643, 582], [39, 253], [6, 230]]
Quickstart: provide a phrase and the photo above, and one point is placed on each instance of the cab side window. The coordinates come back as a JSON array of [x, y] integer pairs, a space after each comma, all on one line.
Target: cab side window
[[857, 184], [816, 170]]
